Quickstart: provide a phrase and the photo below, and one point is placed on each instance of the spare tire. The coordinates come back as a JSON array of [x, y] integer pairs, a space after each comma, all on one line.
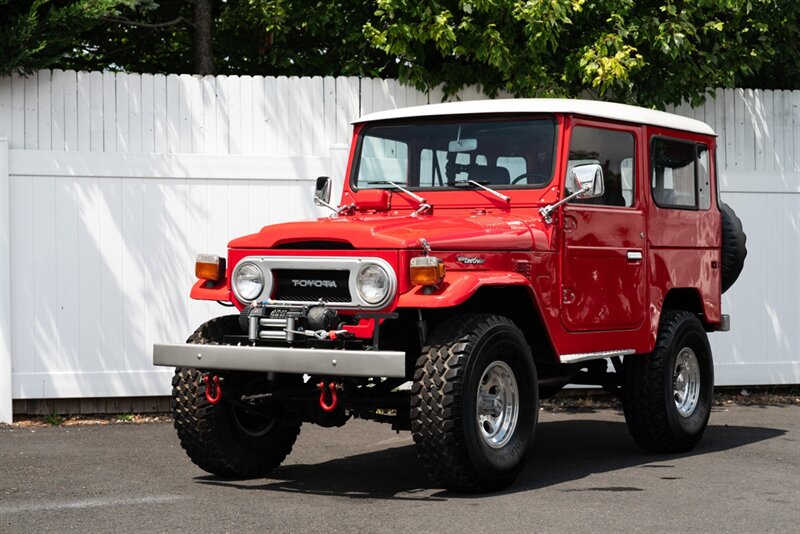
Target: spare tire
[[734, 246]]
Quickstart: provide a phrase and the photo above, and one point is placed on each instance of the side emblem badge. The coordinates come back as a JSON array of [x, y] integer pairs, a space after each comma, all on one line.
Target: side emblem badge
[[471, 260]]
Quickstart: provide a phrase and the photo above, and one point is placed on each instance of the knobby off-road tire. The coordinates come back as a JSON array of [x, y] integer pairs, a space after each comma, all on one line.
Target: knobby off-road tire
[[470, 356], [222, 439], [668, 393], [734, 246]]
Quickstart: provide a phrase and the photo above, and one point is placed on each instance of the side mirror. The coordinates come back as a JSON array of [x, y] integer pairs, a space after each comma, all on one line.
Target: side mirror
[[587, 178], [322, 192]]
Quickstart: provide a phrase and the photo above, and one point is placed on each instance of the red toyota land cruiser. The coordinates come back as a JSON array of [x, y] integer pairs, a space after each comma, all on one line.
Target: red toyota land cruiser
[[489, 253]]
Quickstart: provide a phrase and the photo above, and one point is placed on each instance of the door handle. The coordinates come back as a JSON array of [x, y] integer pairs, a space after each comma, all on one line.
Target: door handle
[[634, 255]]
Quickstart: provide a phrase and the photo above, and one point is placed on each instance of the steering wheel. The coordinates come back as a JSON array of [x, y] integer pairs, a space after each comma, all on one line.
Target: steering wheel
[[542, 177]]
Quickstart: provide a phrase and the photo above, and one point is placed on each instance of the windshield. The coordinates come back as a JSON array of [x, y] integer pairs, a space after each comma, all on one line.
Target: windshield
[[439, 153]]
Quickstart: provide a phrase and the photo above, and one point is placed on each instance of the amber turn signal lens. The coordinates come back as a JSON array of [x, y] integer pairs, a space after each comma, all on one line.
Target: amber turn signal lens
[[209, 267], [427, 271]]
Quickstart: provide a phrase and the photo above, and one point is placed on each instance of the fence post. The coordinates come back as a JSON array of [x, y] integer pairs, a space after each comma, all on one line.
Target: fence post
[[6, 410]]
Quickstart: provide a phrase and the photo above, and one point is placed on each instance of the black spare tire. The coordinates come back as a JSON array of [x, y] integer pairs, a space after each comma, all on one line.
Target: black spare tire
[[734, 246]]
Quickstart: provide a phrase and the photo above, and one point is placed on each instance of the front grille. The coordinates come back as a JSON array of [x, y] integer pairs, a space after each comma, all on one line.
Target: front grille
[[298, 285], [305, 280]]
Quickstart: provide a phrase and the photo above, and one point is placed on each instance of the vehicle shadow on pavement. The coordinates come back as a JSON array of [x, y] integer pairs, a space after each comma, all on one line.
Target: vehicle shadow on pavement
[[385, 474], [568, 451], [563, 451]]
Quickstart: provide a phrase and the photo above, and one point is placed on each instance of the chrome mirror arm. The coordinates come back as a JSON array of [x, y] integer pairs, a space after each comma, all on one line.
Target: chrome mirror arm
[[319, 202], [346, 208], [336, 210], [547, 211]]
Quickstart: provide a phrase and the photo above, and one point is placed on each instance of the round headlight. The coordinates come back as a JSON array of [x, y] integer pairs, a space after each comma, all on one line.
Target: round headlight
[[372, 283], [248, 281]]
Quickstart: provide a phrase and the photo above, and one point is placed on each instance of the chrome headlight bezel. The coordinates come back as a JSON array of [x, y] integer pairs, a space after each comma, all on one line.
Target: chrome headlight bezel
[[235, 283], [387, 282], [353, 264]]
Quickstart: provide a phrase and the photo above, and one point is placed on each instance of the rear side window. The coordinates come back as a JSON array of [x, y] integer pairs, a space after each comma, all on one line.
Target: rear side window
[[680, 174]]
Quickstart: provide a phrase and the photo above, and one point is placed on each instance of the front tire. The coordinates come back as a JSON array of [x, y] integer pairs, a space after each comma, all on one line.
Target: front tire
[[668, 393], [223, 439], [474, 403]]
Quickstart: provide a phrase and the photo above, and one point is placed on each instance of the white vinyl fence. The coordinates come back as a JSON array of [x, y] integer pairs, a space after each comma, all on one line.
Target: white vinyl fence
[[759, 158], [111, 183]]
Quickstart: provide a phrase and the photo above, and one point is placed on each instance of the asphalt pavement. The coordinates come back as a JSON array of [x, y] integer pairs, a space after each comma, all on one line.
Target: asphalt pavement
[[584, 474]]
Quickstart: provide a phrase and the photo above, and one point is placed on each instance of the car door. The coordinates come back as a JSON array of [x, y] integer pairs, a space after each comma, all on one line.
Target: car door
[[603, 267]]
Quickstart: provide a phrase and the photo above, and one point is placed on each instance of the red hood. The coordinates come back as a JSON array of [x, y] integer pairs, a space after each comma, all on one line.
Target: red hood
[[444, 232]]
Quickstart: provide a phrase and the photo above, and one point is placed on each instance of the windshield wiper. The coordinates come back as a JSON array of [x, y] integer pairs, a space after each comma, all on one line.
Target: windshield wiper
[[462, 183], [423, 204]]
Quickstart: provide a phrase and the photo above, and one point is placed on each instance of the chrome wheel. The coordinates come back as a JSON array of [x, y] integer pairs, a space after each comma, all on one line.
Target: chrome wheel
[[686, 382], [497, 404]]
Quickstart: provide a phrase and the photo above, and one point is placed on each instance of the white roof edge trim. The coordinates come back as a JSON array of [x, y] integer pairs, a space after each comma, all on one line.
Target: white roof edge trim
[[591, 108]]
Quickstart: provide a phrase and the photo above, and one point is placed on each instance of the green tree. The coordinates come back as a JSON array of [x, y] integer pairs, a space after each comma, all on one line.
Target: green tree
[[273, 37], [649, 52], [40, 33]]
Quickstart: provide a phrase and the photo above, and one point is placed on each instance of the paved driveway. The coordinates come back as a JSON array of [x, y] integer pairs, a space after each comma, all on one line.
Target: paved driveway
[[584, 475]]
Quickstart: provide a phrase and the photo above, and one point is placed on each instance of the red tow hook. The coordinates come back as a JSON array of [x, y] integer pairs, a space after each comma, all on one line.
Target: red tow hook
[[213, 389], [328, 407]]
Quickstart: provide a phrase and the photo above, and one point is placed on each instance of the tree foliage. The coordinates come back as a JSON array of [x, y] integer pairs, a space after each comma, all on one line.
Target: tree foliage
[[269, 37], [650, 52], [39, 34]]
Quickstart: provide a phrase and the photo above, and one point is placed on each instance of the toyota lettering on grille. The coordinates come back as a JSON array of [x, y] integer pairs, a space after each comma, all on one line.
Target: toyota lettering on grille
[[314, 283]]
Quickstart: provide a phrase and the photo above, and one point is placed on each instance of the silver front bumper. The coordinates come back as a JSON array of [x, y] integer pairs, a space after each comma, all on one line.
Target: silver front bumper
[[384, 363]]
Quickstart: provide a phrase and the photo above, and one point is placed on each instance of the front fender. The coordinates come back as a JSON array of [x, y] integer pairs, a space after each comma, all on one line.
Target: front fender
[[206, 290], [458, 287]]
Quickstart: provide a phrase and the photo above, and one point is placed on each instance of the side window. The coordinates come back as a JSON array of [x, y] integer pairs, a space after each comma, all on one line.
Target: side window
[[680, 174], [626, 170], [614, 151]]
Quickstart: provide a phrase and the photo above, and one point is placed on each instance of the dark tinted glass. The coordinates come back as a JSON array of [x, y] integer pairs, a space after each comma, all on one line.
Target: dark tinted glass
[[614, 152], [435, 154]]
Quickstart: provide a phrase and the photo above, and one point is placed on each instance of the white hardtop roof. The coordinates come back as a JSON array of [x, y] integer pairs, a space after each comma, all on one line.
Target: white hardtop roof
[[591, 108]]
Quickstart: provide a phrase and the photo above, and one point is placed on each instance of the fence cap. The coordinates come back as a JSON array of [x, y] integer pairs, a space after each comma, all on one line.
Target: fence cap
[[589, 108]]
